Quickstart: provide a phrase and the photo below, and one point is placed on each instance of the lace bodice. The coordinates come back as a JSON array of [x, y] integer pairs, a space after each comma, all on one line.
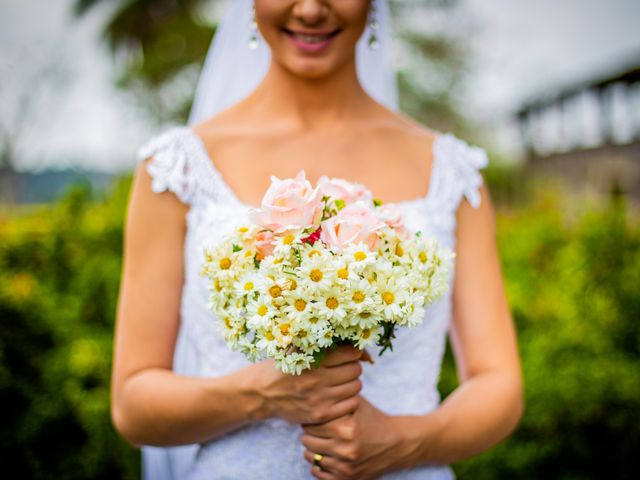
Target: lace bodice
[[400, 382]]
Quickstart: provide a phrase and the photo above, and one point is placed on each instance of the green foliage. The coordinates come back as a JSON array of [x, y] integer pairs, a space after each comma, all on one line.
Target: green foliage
[[573, 291], [571, 283], [510, 184], [59, 276], [168, 35]]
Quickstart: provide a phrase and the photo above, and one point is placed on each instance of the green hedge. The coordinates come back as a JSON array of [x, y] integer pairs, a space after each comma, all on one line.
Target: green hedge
[[572, 285], [573, 288], [60, 268]]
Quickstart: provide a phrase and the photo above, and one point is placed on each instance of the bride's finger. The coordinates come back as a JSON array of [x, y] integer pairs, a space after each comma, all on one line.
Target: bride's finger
[[322, 430], [325, 446], [331, 468], [366, 357], [323, 474]]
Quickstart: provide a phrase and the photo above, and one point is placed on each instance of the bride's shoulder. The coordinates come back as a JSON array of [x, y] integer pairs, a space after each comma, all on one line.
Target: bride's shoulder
[[459, 160], [407, 126], [173, 159]]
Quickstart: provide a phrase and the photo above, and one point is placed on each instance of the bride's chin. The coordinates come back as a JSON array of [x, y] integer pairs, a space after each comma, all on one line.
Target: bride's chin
[[309, 67], [311, 73]]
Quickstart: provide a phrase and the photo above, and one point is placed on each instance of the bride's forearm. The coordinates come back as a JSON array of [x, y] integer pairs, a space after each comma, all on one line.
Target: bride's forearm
[[477, 415], [159, 407]]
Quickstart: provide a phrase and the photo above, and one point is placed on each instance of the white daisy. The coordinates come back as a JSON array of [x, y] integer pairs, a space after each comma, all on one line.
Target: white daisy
[[251, 350], [268, 343], [344, 275], [332, 304], [316, 273], [366, 337], [247, 284], [296, 307], [359, 256], [260, 313], [283, 244], [294, 362], [392, 292]]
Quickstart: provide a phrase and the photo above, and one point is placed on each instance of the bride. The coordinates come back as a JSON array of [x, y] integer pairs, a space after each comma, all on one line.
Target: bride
[[291, 85]]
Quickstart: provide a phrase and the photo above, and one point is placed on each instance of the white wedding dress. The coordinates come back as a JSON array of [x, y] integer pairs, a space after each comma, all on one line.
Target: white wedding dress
[[401, 382]]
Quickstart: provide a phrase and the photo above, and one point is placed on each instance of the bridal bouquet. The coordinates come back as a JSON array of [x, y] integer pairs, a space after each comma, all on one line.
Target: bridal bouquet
[[316, 267]]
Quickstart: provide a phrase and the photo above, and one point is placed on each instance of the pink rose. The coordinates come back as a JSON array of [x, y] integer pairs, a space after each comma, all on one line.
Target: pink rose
[[354, 223], [264, 243], [289, 204], [392, 216], [350, 192]]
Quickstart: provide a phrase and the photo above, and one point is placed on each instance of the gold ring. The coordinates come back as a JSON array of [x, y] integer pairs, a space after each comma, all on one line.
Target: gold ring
[[317, 458]]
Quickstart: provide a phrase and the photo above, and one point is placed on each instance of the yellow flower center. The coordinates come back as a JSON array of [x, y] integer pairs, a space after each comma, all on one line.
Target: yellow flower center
[[291, 284], [277, 260], [313, 252], [275, 291], [316, 275], [358, 297], [332, 303], [217, 285], [423, 257], [399, 250], [248, 286], [365, 314], [300, 304], [302, 333], [284, 328], [288, 240], [262, 310], [269, 336], [359, 256], [366, 333], [248, 253], [227, 322], [313, 320], [388, 298], [225, 263], [343, 273]]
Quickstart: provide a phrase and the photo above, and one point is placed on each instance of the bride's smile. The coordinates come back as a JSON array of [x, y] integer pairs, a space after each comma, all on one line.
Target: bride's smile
[[311, 42]]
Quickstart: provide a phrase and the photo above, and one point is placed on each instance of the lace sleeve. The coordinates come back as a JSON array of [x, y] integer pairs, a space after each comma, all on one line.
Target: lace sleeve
[[170, 164], [464, 179]]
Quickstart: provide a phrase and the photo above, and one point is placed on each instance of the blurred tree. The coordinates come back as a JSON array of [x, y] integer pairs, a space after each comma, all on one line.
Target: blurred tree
[[158, 47], [432, 61], [161, 45]]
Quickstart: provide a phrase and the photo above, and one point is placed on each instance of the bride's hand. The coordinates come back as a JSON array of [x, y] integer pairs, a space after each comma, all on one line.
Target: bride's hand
[[360, 446], [317, 395]]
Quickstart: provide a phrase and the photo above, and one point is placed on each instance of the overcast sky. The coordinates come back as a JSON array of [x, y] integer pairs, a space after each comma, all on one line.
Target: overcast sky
[[520, 48]]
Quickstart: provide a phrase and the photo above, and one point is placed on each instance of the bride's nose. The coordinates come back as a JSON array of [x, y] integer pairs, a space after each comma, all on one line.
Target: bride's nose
[[310, 11]]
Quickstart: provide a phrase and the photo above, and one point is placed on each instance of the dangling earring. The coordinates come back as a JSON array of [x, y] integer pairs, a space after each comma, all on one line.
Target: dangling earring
[[373, 26], [253, 27]]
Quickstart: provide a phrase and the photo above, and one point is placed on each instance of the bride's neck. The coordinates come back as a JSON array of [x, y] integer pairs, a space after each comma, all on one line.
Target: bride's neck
[[311, 103]]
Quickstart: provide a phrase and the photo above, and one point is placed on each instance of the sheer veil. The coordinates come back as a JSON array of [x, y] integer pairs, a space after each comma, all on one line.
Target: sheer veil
[[231, 70]]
